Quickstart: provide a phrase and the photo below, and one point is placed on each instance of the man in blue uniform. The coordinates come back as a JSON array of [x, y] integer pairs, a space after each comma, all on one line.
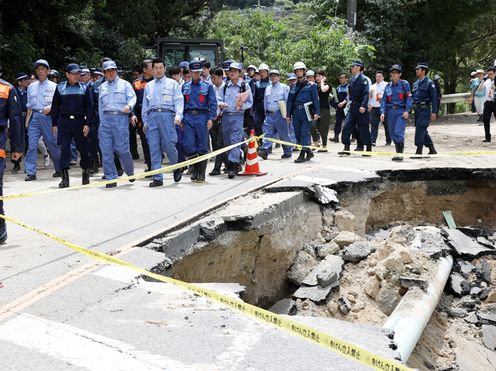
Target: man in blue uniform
[[163, 106], [275, 125], [258, 98], [426, 108], [115, 101], [396, 104], [236, 98], [22, 83], [11, 116], [339, 103], [303, 100], [358, 114], [200, 109], [40, 94], [71, 111]]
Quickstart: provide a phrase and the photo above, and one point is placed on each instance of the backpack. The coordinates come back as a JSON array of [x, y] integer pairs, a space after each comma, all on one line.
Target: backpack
[[243, 87]]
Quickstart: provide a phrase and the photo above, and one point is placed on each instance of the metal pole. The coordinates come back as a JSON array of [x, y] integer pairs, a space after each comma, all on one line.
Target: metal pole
[[351, 15]]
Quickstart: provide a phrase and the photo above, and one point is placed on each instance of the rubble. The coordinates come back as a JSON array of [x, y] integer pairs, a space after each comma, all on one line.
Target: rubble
[[344, 220], [328, 248], [302, 266], [284, 306], [407, 282], [489, 336], [465, 267], [459, 285], [345, 238], [358, 251], [332, 265], [465, 246], [316, 294], [429, 240], [344, 305], [488, 314], [483, 271]]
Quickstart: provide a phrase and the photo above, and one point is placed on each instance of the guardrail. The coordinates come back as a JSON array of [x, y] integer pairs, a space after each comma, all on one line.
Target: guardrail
[[454, 98]]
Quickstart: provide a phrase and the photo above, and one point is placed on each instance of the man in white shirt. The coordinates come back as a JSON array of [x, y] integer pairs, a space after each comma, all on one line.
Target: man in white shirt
[[490, 103], [375, 96]]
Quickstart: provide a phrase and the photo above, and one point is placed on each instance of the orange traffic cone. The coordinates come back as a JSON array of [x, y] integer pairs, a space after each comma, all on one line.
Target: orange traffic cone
[[251, 167]]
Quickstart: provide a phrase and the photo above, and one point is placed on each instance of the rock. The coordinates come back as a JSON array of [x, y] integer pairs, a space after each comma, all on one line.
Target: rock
[[429, 240], [332, 265], [327, 249], [484, 272], [210, 229], [323, 195], [406, 256], [491, 297], [358, 306], [345, 221], [456, 312], [474, 291], [459, 285], [301, 267], [316, 294], [326, 277], [464, 246], [471, 318], [394, 263], [372, 287], [388, 298], [345, 238], [487, 314], [489, 336], [285, 306], [485, 293], [381, 234], [465, 267], [358, 251], [344, 305], [408, 282], [484, 241]]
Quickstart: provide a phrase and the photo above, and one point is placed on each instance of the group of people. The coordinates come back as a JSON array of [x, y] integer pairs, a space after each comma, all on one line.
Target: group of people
[[483, 97]]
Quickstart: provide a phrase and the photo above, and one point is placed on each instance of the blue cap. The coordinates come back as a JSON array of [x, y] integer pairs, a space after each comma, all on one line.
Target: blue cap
[[236, 66], [357, 62], [72, 68], [227, 64], [184, 64], [422, 65], [396, 67], [41, 62], [195, 66], [21, 76], [291, 76], [109, 65]]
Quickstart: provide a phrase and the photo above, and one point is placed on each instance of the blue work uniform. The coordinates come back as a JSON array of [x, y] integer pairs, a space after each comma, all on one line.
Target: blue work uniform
[[396, 100], [258, 104], [162, 103], [113, 133], [424, 103], [275, 124], [40, 95], [72, 108], [93, 142], [200, 106], [232, 117], [341, 95], [301, 93], [11, 117], [358, 96]]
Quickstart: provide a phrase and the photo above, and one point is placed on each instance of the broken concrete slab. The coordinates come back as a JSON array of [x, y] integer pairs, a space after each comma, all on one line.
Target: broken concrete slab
[[489, 336], [458, 285], [284, 306], [472, 232], [474, 291], [316, 294], [211, 228], [429, 240], [465, 267], [484, 241], [471, 318], [465, 246], [483, 271], [407, 282], [323, 195], [302, 266], [332, 264], [328, 248], [299, 183], [388, 298], [344, 220], [358, 251], [487, 314], [345, 238]]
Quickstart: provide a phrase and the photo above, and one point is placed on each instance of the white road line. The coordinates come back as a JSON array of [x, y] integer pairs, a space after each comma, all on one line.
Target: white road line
[[82, 348]]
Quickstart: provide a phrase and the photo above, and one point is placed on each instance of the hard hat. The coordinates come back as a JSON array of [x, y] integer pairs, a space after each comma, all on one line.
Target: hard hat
[[310, 73], [396, 67], [263, 66], [236, 66], [109, 65], [41, 62], [299, 66], [274, 72], [195, 66]]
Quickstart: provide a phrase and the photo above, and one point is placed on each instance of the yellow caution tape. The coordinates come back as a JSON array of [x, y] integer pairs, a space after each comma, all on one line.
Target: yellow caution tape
[[329, 342]]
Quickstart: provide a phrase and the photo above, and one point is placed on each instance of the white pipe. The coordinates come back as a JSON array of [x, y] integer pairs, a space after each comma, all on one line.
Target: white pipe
[[410, 317]]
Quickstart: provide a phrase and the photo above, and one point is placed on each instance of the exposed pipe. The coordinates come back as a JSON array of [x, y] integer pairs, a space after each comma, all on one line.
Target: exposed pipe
[[413, 312]]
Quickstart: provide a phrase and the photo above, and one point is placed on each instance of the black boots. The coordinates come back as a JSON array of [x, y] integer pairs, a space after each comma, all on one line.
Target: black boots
[[3, 230], [345, 151], [399, 149], [86, 176], [419, 150], [232, 170], [301, 157], [64, 183], [309, 155], [201, 169], [178, 174], [335, 139], [432, 150], [193, 169], [94, 167]]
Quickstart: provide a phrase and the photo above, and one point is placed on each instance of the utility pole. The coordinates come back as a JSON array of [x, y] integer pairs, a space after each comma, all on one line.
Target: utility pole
[[351, 16]]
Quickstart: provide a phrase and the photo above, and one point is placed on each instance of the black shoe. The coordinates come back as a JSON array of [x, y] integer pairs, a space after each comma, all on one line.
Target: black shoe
[[432, 150], [335, 139], [369, 149], [202, 167], [323, 149], [57, 174], [156, 183], [16, 168], [286, 155], [399, 149], [146, 171], [3, 232], [111, 185], [231, 170], [487, 140], [214, 172], [86, 176], [132, 180], [262, 154], [345, 151], [419, 150], [65, 179], [310, 155], [29, 178], [178, 174], [388, 143], [301, 158], [120, 172]]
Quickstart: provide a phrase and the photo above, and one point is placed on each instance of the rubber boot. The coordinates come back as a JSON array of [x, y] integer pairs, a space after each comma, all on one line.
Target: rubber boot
[[399, 149], [419, 150], [86, 176], [310, 155], [301, 157], [432, 150], [64, 183], [346, 148], [193, 168], [202, 168], [231, 170]]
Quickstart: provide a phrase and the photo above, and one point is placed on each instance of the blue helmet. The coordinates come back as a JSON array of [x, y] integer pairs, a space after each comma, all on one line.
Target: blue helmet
[[184, 64], [226, 64], [195, 66]]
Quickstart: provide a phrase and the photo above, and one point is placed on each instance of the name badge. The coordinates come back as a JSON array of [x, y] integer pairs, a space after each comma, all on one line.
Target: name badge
[[167, 98]]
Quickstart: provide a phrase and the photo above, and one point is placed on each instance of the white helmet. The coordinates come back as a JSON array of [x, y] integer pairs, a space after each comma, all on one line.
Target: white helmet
[[299, 66], [263, 66], [310, 73]]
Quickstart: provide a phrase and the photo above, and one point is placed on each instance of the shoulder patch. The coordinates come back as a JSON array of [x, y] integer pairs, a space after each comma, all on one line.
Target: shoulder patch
[[4, 91]]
